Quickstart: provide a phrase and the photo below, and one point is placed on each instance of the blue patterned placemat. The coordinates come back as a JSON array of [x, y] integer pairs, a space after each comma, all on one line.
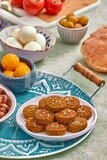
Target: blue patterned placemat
[[15, 143]]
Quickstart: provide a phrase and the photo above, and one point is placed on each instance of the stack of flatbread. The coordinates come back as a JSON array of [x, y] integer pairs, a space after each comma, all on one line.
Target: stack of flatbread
[[94, 50]]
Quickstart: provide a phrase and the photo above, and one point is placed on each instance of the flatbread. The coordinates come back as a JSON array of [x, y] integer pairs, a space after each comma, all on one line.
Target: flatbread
[[94, 50]]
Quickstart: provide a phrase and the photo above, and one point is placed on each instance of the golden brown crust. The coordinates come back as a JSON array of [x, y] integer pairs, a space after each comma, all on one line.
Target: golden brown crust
[[33, 126], [72, 102], [65, 116], [84, 112], [94, 50], [43, 116], [42, 103], [55, 103], [29, 111], [77, 125], [55, 129]]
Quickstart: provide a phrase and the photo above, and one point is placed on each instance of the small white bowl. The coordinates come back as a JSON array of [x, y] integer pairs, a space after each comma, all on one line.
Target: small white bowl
[[71, 35], [33, 55], [12, 103]]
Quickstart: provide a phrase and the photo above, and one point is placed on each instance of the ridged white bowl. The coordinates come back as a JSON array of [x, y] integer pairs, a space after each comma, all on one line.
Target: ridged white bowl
[[71, 35]]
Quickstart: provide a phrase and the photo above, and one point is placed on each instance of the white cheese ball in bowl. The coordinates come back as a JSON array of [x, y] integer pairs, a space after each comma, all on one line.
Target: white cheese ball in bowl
[[41, 40], [13, 42], [27, 34], [15, 33], [32, 46]]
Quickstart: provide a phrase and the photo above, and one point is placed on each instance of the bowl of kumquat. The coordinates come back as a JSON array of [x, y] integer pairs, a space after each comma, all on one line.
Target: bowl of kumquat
[[17, 73]]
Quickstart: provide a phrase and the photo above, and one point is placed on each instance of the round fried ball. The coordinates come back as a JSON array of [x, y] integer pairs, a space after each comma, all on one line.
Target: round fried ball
[[55, 129], [33, 126], [72, 102], [77, 125], [84, 112], [65, 116], [43, 116], [42, 103], [55, 103], [29, 110]]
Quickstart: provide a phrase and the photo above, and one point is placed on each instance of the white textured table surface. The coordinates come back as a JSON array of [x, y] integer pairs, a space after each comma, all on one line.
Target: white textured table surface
[[94, 147]]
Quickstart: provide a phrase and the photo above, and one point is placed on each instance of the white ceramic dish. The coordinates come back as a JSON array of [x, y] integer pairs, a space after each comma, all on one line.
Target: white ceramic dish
[[71, 35], [13, 103], [43, 136]]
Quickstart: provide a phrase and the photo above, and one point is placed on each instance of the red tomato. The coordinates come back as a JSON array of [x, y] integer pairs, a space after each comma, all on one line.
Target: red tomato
[[33, 7], [53, 6], [17, 3]]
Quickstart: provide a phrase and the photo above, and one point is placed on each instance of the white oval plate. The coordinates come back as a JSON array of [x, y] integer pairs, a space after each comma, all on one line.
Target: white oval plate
[[43, 136]]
